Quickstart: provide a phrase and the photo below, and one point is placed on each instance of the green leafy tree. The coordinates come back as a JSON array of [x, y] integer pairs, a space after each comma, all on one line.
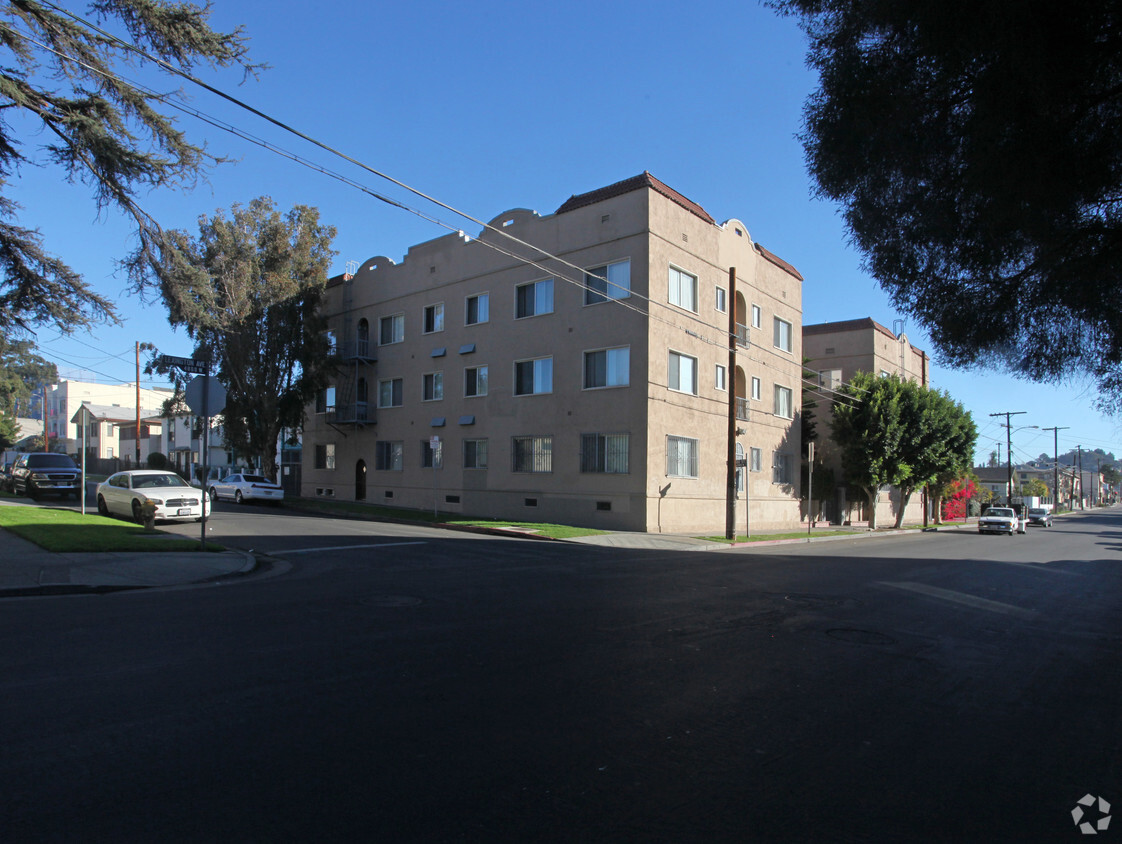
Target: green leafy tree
[[938, 442], [64, 105], [22, 372], [867, 428], [9, 431], [977, 154], [248, 289], [1035, 487]]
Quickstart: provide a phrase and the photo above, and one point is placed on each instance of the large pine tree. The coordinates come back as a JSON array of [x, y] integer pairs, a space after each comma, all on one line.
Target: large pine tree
[[63, 104]]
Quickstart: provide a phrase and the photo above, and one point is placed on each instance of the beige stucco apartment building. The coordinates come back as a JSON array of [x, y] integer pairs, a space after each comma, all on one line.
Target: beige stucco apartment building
[[837, 351], [571, 367]]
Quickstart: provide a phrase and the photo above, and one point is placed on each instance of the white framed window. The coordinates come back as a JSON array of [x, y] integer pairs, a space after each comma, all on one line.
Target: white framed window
[[532, 454], [604, 453], [475, 454], [721, 300], [755, 460], [391, 329], [756, 392], [757, 317], [533, 299], [432, 388], [781, 468], [610, 281], [477, 309], [682, 373], [533, 377], [720, 380], [683, 289], [681, 457], [782, 334], [607, 368], [434, 318], [475, 381], [783, 406], [391, 392], [389, 456]]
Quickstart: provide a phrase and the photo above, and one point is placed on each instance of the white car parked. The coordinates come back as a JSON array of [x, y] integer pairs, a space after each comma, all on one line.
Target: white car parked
[[125, 493], [1001, 520], [242, 488]]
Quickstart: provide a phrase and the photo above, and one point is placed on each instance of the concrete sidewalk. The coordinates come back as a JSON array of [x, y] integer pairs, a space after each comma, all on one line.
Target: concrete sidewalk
[[27, 570]]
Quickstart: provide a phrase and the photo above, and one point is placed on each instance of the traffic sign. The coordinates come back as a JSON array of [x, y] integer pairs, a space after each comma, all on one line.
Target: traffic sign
[[205, 396], [191, 365]]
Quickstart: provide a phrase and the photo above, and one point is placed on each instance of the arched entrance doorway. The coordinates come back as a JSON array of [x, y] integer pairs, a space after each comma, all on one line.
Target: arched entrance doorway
[[360, 480]]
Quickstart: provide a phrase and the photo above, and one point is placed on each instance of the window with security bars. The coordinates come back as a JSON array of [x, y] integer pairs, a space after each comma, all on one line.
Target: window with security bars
[[755, 460], [604, 453], [681, 457], [533, 454]]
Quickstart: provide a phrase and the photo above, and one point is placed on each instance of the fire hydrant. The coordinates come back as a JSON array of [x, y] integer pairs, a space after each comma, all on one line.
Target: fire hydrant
[[148, 516]]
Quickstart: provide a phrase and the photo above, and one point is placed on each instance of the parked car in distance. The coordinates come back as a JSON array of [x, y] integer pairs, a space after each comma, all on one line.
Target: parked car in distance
[[43, 473], [125, 493], [1001, 520], [241, 487], [1039, 516]]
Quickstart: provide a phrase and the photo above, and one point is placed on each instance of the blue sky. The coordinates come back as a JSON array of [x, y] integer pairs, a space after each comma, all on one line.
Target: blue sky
[[496, 105]]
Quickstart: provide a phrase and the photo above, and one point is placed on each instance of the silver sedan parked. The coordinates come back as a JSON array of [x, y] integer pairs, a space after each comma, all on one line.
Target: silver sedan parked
[[242, 488], [125, 493]]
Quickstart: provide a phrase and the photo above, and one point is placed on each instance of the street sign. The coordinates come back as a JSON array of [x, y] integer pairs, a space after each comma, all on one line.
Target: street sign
[[194, 395], [190, 365]]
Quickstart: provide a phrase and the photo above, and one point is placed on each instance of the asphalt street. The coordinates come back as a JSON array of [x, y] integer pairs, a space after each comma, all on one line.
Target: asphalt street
[[392, 683]]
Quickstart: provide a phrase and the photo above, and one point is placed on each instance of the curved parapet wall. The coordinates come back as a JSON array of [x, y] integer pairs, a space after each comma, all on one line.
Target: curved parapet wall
[[512, 217], [376, 263], [735, 225]]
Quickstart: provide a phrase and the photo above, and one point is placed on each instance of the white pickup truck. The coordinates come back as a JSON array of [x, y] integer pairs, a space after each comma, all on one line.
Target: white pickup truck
[[1001, 520]]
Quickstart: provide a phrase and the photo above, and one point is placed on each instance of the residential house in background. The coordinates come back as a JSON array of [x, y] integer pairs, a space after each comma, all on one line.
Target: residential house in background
[[572, 367], [836, 351], [65, 398]]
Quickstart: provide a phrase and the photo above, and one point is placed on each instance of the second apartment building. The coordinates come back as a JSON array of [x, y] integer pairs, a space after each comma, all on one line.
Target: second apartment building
[[571, 368]]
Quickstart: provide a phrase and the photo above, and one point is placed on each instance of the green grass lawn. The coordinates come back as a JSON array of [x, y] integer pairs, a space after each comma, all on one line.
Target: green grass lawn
[[771, 537], [375, 512], [535, 528], [65, 531]]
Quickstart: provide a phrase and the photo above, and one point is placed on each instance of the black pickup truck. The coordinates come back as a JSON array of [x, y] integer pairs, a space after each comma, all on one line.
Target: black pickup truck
[[46, 474]]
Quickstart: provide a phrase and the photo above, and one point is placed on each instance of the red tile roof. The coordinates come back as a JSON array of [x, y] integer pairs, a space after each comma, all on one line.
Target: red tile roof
[[646, 180], [779, 262]]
